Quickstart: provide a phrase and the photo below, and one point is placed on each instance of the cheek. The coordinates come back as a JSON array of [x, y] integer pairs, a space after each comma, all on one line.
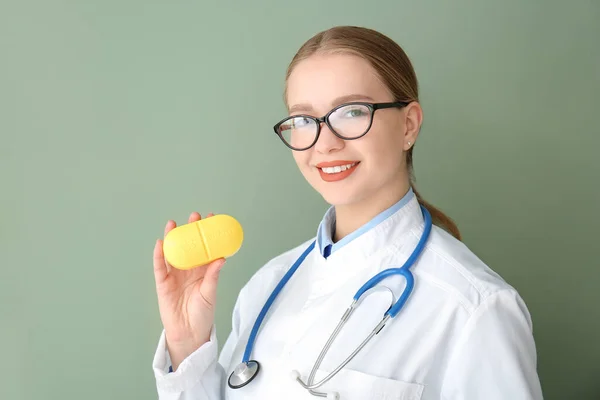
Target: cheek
[[301, 158], [385, 145]]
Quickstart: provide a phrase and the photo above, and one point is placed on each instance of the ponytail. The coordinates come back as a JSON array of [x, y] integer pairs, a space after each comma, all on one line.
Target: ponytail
[[438, 217]]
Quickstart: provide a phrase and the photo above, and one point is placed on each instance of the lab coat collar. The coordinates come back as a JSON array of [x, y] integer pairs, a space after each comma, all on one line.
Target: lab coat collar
[[391, 233], [327, 226]]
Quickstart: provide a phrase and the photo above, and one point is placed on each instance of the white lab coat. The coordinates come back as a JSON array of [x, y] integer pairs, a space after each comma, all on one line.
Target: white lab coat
[[464, 334]]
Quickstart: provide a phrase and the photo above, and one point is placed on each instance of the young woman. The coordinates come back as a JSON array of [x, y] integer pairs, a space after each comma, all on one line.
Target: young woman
[[464, 333]]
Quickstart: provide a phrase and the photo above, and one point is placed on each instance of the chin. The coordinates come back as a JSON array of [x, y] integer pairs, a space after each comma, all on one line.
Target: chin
[[341, 196], [337, 193]]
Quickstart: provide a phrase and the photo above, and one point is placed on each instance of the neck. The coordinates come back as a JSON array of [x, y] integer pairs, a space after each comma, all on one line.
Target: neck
[[350, 217]]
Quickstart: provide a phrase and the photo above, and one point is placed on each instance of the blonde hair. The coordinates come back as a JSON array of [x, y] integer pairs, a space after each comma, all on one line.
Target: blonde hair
[[395, 70]]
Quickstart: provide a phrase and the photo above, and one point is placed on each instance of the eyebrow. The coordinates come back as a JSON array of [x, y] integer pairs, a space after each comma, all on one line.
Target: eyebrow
[[339, 100]]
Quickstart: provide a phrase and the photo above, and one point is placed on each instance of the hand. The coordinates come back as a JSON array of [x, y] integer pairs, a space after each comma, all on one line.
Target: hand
[[186, 300]]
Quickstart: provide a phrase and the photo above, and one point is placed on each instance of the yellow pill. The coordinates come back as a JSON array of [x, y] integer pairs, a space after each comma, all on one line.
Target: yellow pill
[[198, 243]]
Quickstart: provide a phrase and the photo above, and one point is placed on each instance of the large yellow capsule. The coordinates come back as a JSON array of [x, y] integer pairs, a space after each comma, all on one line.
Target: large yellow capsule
[[198, 243]]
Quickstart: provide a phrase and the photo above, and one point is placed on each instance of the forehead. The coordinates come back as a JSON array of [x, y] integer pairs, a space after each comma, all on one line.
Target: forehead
[[317, 82]]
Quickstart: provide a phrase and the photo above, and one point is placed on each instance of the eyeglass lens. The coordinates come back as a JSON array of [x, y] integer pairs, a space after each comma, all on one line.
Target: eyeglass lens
[[349, 121]]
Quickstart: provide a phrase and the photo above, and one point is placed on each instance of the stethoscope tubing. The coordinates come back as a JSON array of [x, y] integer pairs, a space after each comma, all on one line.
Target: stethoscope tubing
[[270, 301], [390, 313]]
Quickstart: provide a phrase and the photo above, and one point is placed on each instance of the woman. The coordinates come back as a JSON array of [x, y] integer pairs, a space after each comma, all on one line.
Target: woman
[[464, 333]]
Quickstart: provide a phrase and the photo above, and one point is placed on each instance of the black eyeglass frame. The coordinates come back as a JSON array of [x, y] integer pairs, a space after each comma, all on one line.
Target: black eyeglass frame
[[325, 119]]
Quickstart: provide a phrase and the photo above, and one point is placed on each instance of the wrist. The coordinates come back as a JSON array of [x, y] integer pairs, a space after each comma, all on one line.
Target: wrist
[[179, 350]]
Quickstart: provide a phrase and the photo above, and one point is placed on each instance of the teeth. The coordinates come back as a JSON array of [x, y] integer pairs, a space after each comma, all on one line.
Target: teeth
[[337, 169]]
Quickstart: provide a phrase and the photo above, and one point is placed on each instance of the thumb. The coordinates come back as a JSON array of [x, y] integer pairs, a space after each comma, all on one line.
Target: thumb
[[208, 289]]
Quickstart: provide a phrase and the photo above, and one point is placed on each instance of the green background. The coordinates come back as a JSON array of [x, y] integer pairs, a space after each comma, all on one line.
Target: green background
[[118, 115]]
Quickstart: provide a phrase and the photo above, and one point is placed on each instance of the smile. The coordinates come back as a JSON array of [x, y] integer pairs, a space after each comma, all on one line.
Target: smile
[[337, 170]]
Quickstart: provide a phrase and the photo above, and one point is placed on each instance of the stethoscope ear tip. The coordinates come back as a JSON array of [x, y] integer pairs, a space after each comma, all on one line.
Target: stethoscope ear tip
[[333, 396]]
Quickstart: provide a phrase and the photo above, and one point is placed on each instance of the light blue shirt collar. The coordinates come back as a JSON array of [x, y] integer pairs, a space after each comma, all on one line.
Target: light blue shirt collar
[[327, 226]]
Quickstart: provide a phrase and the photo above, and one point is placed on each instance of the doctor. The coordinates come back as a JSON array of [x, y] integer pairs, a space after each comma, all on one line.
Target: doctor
[[462, 333]]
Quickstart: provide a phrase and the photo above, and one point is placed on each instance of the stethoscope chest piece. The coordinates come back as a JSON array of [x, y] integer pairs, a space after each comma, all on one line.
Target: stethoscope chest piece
[[243, 374]]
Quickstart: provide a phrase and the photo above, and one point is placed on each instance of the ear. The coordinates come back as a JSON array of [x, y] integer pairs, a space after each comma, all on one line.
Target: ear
[[412, 123]]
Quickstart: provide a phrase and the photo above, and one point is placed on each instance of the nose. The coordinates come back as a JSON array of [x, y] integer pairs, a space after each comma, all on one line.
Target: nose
[[328, 142]]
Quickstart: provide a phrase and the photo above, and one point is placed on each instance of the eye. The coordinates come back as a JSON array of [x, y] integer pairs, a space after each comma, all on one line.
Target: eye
[[353, 111], [300, 122]]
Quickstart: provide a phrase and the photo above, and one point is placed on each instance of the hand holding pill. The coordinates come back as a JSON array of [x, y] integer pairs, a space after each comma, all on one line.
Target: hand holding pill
[[186, 271]]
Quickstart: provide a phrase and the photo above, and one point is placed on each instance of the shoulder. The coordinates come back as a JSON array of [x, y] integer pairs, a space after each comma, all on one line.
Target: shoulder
[[450, 266], [485, 318]]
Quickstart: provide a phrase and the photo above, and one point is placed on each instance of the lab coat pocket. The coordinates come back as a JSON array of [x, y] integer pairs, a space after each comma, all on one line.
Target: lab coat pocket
[[351, 385]]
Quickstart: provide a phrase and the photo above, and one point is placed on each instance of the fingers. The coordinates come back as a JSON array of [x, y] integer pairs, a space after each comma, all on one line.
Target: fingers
[[208, 289], [170, 226], [194, 217], [197, 217], [160, 267]]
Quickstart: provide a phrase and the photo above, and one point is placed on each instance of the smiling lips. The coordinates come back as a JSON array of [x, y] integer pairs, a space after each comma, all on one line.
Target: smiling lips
[[336, 170]]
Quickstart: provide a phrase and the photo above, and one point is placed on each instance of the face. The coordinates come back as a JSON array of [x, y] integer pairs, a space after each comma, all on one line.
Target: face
[[370, 166]]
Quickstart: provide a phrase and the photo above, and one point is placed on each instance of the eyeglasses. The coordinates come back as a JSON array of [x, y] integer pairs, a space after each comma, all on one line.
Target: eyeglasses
[[347, 121]]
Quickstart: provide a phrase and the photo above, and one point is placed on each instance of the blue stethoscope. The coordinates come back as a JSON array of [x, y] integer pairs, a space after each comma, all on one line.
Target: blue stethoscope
[[247, 370]]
